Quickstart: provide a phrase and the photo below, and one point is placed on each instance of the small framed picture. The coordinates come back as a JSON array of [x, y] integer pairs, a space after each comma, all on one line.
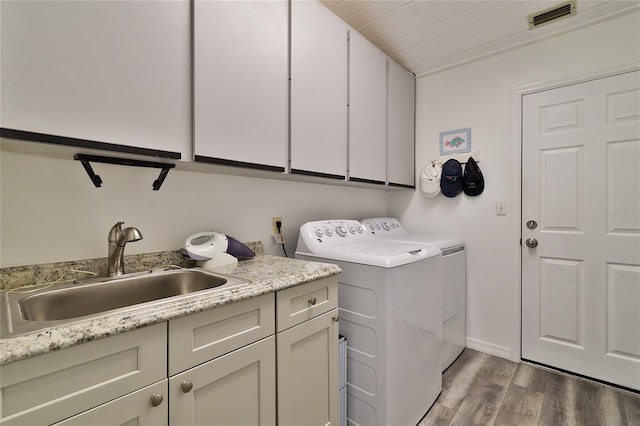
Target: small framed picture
[[455, 141]]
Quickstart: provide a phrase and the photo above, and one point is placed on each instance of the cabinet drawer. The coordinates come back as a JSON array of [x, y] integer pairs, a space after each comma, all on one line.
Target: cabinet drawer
[[198, 338], [54, 386], [132, 409], [303, 302]]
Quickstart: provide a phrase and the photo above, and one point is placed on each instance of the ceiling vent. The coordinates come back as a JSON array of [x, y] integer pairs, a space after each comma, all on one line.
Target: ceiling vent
[[552, 14]]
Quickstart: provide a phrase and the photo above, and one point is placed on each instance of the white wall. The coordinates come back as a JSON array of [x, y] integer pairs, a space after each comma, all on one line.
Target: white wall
[[50, 211], [478, 95]]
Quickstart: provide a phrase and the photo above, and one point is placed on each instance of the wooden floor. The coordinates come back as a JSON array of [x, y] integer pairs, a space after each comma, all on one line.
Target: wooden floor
[[480, 389]]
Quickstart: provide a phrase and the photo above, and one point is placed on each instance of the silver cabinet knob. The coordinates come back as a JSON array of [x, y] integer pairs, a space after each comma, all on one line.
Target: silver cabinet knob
[[312, 301], [156, 399], [531, 243], [335, 318], [186, 386]]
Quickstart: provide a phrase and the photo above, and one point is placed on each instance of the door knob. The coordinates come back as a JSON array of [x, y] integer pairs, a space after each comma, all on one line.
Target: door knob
[[531, 243]]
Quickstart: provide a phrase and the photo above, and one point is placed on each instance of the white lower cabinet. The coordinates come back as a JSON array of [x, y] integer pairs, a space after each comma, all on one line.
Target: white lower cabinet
[[308, 354], [235, 389], [55, 386], [224, 366], [308, 372]]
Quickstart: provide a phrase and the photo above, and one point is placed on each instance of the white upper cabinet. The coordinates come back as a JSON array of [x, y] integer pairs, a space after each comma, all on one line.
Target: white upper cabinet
[[401, 118], [318, 91], [367, 111], [241, 83], [103, 71]]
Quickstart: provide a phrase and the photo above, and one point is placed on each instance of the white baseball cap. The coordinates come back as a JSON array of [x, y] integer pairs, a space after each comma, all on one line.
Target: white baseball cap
[[430, 179]]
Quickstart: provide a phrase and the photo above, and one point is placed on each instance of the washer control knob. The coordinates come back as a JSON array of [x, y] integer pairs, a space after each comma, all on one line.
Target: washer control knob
[[352, 229], [341, 230], [319, 232], [328, 232], [360, 229], [385, 225]]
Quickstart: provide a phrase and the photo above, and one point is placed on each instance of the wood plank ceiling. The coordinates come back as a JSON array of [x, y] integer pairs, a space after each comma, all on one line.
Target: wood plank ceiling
[[426, 36]]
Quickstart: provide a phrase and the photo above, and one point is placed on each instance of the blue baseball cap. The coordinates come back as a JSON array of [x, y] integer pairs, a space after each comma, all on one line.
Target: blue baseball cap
[[451, 178]]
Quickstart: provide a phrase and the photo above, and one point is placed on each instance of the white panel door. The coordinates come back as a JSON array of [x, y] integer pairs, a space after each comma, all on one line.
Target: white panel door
[[401, 126], [581, 184], [367, 111], [318, 91], [241, 102]]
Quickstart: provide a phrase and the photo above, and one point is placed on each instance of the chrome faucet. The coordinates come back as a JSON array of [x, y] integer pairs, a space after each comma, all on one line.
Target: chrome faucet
[[118, 238]]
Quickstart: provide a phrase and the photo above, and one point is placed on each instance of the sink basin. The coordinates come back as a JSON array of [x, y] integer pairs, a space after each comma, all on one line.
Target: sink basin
[[29, 312]]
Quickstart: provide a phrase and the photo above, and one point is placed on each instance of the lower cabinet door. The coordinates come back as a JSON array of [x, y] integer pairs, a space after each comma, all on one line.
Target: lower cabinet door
[[308, 372], [235, 389], [145, 407]]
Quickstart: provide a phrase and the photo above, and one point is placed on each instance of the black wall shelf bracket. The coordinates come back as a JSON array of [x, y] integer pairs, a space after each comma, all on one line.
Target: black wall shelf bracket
[[97, 181]]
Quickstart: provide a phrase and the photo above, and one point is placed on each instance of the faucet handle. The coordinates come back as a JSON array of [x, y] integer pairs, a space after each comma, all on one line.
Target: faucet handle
[[115, 231]]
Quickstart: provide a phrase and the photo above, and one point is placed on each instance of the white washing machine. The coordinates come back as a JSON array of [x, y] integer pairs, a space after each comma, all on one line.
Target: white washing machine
[[390, 309], [454, 271]]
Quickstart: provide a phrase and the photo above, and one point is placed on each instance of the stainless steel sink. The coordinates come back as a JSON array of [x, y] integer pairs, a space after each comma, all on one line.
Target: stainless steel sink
[[29, 312]]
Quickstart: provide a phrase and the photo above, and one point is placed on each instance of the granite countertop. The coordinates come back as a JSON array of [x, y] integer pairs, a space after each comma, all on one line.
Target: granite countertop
[[264, 274]]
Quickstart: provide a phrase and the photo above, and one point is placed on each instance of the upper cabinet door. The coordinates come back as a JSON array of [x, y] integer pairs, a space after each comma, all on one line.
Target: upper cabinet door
[[318, 91], [367, 111], [241, 83], [401, 152], [104, 71]]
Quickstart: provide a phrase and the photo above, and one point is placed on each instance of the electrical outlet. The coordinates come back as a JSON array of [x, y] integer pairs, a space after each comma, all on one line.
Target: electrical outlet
[[501, 208], [274, 226]]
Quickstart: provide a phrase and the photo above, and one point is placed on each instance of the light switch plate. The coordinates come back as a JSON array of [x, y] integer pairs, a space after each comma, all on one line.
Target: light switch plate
[[501, 208]]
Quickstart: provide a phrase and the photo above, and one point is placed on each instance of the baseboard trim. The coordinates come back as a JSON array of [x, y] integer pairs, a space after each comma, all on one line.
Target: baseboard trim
[[490, 348]]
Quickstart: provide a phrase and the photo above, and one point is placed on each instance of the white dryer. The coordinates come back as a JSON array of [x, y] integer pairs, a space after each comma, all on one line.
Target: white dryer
[[390, 312], [454, 272]]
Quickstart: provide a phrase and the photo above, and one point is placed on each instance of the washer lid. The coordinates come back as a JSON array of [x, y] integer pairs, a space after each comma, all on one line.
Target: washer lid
[[384, 254], [390, 229], [443, 242], [387, 248]]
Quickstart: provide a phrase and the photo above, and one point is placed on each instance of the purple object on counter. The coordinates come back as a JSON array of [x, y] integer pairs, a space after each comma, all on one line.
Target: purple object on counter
[[237, 249]]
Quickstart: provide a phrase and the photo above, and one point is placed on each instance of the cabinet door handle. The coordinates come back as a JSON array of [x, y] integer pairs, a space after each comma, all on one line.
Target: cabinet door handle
[[186, 386], [156, 399], [312, 301], [336, 318]]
